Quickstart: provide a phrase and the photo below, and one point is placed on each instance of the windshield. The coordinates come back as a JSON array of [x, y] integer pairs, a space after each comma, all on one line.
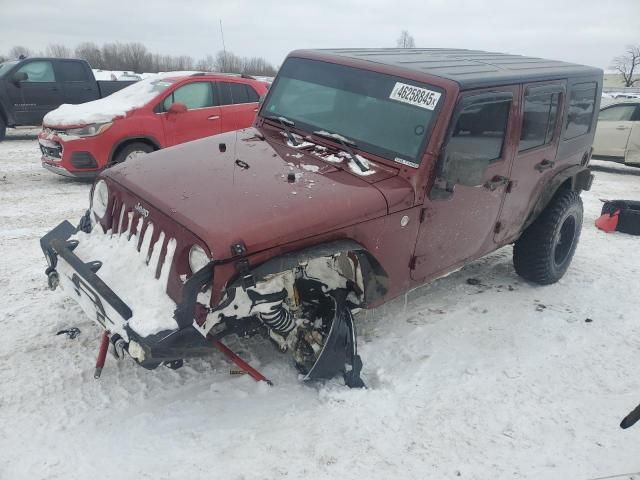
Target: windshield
[[385, 115], [5, 67]]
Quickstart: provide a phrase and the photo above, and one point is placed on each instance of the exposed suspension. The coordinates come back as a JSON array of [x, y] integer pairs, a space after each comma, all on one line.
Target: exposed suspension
[[272, 310]]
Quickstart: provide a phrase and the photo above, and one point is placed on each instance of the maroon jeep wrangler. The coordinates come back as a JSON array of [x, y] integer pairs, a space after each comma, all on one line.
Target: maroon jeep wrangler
[[366, 174]]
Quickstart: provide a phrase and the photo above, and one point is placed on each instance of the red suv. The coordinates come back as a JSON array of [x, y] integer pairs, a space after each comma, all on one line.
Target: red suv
[[81, 140]]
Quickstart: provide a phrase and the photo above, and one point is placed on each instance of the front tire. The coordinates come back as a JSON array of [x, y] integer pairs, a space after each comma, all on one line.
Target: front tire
[[544, 251], [130, 151]]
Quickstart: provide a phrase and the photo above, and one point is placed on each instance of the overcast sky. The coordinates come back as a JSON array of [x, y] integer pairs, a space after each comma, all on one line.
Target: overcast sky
[[582, 31]]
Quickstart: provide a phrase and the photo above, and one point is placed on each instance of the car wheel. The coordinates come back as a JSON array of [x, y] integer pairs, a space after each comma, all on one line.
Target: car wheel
[[544, 251], [3, 128], [131, 151]]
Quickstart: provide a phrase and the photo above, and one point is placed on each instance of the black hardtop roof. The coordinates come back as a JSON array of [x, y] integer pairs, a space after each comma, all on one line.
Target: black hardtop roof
[[468, 68]]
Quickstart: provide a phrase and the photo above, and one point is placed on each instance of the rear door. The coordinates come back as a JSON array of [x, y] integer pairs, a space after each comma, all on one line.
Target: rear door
[[37, 95], [535, 159], [459, 220], [614, 127], [202, 118], [77, 81], [239, 103]]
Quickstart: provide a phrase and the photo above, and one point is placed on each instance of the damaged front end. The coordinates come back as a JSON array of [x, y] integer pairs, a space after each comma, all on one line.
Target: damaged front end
[[304, 306], [305, 310]]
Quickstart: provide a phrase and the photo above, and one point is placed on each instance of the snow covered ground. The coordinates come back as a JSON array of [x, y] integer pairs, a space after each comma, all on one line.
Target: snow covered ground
[[497, 380]]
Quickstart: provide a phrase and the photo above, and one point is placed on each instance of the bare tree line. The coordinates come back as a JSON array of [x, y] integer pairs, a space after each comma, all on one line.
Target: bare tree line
[[135, 57], [627, 65]]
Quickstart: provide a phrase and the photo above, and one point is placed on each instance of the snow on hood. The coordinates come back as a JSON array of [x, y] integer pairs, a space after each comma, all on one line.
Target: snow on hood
[[106, 109], [267, 199]]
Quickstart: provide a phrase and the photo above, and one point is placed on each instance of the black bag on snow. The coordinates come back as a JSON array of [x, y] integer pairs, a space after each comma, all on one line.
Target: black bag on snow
[[629, 216]]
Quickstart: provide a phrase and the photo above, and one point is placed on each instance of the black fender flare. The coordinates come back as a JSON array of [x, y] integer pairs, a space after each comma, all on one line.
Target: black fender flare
[[133, 138], [576, 178], [374, 277]]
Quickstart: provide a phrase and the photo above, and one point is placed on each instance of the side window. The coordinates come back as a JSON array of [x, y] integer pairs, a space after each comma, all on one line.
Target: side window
[[253, 95], [38, 71], [480, 131], [538, 120], [581, 109], [619, 113], [72, 72], [193, 95], [225, 93], [239, 93]]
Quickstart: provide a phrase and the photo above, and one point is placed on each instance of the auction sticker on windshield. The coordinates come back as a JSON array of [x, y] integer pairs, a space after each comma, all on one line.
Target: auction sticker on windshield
[[419, 97]]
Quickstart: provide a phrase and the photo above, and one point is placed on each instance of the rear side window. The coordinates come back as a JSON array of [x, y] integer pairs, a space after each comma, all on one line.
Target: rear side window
[[538, 120], [38, 71], [480, 131], [619, 113], [193, 95], [581, 108], [72, 72], [234, 93]]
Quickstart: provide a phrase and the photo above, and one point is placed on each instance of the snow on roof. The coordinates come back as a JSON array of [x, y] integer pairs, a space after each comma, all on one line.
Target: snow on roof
[[117, 104]]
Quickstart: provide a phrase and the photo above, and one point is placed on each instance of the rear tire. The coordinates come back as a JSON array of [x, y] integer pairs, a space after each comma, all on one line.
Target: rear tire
[[131, 151], [544, 251]]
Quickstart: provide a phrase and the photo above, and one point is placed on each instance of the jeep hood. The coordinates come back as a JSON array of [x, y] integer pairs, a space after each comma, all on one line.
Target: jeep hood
[[257, 191]]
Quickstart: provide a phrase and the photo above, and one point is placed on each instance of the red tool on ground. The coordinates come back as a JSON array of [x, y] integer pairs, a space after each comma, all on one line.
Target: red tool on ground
[[102, 354], [256, 375]]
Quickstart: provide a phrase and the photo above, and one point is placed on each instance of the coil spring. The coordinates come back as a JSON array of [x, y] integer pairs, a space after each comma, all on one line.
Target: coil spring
[[278, 319], [272, 310]]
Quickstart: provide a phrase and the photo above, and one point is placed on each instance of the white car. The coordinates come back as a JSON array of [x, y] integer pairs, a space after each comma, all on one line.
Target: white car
[[618, 133]]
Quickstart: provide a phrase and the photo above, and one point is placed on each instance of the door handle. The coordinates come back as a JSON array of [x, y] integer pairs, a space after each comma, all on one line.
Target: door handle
[[496, 182], [213, 117], [544, 165], [621, 127], [255, 109]]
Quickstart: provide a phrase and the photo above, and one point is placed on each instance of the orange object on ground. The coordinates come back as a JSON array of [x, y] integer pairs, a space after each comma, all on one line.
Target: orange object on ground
[[608, 222]]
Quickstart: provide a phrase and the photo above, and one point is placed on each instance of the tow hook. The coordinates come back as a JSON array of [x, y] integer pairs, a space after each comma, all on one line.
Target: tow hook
[[119, 346], [53, 279]]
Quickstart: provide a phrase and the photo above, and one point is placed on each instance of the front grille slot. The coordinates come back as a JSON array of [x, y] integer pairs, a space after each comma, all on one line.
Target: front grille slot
[[151, 241]]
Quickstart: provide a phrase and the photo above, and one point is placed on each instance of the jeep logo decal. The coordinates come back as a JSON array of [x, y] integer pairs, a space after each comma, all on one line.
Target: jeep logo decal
[[141, 210]]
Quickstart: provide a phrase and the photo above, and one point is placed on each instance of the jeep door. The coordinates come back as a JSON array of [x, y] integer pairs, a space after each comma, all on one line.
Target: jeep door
[[201, 119], [614, 127], [239, 103], [535, 159], [37, 95], [459, 219]]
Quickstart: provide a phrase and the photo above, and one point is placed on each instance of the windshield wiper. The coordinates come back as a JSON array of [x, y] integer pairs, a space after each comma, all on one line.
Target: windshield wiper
[[285, 123], [346, 144]]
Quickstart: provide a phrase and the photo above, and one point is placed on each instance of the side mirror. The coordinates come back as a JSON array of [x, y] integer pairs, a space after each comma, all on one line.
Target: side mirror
[[261, 100], [20, 77], [465, 169], [177, 107]]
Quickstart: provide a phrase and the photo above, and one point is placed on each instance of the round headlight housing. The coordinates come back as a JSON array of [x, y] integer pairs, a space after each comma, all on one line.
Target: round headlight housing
[[100, 198], [198, 258]]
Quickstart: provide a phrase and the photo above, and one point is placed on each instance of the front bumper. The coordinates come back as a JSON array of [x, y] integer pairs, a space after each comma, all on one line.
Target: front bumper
[[52, 167], [80, 281], [70, 158]]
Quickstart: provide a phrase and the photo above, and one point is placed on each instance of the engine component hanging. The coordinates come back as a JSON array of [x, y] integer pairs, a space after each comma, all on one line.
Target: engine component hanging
[[327, 346]]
